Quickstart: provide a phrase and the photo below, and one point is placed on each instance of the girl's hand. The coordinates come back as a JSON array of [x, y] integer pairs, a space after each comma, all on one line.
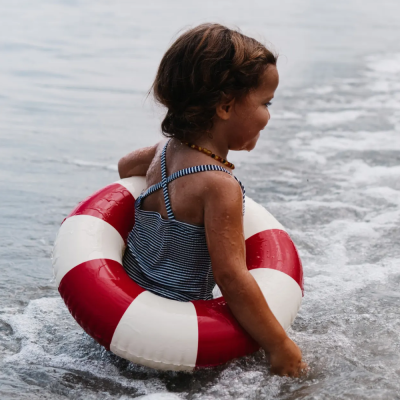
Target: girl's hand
[[286, 360]]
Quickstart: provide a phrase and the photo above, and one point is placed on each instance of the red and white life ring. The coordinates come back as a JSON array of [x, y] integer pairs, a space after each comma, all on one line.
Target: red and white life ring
[[143, 327]]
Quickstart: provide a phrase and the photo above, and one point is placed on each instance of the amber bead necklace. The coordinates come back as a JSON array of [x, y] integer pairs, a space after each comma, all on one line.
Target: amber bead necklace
[[211, 154]]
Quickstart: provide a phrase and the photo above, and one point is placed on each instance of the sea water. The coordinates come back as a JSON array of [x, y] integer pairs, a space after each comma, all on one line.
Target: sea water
[[74, 76]]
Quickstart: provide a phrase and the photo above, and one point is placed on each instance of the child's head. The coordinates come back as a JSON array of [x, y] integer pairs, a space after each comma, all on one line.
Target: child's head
[[205, 66]]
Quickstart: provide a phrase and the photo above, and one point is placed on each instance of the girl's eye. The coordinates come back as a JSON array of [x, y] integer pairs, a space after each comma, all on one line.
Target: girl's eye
[[268, 104]]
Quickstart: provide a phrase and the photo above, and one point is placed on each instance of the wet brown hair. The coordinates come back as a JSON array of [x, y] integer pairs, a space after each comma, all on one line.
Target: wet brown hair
[[205, 66]]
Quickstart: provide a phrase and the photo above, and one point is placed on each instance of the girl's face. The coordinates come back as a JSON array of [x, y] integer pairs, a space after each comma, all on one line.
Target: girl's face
[[250, 115]]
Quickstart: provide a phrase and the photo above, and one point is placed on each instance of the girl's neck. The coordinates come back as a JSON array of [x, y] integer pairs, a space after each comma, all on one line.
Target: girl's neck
[[214, 143]]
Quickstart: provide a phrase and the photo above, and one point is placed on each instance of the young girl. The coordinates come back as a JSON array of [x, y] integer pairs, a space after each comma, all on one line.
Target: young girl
[[217, 85]]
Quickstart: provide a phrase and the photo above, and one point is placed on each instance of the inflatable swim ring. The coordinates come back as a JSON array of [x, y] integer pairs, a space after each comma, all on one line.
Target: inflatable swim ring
[[143, 327]]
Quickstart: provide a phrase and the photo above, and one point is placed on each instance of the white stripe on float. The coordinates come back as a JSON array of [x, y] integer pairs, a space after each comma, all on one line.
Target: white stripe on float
[[134, 184], [158, 333], [258, 219], [82, 238], [282, 293], [216, 292]]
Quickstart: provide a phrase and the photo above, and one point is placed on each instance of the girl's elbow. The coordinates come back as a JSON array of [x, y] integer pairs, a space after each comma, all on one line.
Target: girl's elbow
[[228, 281], [122, 168]]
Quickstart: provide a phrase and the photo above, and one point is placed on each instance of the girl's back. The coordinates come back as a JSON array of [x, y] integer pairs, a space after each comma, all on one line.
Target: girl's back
[[168, 256], [188, 193]]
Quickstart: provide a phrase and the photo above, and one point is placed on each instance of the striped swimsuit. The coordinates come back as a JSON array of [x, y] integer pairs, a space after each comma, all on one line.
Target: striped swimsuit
[[168, 257]]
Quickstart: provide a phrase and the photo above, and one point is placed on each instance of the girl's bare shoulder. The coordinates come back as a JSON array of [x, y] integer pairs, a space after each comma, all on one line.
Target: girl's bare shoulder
[[223, 191]]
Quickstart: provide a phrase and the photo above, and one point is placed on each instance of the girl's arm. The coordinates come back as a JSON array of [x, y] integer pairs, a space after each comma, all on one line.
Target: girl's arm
[[225, 239], [137, 162]]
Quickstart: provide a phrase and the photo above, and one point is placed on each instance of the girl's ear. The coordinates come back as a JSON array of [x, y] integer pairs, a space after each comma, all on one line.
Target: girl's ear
[[224, 109]]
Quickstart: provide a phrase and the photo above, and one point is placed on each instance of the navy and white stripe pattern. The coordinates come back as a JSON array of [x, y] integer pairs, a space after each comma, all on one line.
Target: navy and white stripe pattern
[[168, 257]]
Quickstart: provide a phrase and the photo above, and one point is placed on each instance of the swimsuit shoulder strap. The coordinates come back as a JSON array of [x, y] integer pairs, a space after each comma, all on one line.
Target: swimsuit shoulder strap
[[204, 168]]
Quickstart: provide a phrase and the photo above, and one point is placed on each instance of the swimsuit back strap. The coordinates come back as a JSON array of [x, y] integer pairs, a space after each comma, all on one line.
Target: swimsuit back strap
[[164, 182], [150, 190], [183, 172]]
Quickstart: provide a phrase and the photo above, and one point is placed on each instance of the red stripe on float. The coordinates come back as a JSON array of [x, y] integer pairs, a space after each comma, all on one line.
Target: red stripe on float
[[113, 204], [221, 338], [275, 250], [97, 294]]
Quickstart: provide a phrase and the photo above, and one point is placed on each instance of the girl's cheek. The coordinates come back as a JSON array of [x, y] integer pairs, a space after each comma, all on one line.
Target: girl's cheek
[[268, 117], [265, 115], [265, 120]]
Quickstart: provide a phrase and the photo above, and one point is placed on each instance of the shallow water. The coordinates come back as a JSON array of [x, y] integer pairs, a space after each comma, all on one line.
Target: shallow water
[[73, 79]]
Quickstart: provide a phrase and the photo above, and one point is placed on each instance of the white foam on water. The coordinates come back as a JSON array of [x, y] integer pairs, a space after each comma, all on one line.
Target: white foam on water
[[312, 157], [361, 172], [86, 163], [305, 205], [50, 337], [286, 115], [388, 65], [240, 381], [332, 142], [83, 163], [320, 90], [159, 396], [337, 274], [385, 86], [384, 192], [333, 118]]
